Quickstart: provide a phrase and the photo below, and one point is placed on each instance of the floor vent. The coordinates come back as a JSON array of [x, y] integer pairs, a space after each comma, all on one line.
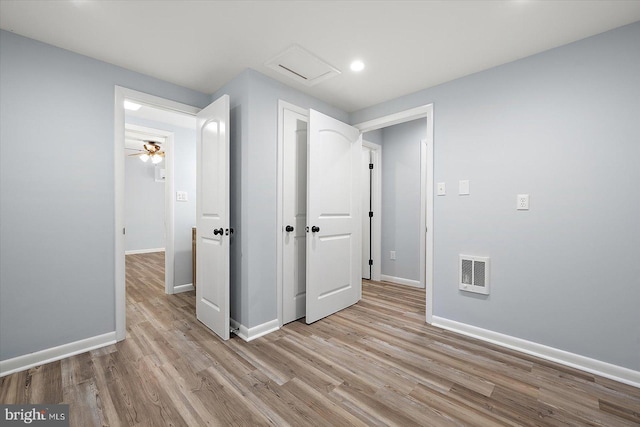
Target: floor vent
[[302, 66], [474, 274]]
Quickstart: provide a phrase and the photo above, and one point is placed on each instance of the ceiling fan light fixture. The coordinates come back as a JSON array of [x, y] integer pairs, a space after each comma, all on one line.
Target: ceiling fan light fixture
[[144, 157], [156, 158]]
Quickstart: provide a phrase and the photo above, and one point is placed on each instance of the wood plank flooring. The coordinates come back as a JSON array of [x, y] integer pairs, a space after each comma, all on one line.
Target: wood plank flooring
[[376, 363]]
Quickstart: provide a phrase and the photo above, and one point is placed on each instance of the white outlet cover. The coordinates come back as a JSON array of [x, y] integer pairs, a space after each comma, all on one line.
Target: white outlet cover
[[463, 187], [522, 202], [442, 189], [182, 196]]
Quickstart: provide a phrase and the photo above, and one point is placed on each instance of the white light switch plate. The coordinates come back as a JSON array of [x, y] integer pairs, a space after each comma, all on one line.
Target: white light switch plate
[[442, 189], [182, 196], [463, 187]]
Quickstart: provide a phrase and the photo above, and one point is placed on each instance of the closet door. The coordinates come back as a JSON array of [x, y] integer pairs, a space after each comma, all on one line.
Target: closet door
[[334, 222]]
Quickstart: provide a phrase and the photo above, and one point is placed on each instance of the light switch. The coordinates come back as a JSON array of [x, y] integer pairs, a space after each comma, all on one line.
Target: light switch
[[463, 187], [182, 196], [442, 189]]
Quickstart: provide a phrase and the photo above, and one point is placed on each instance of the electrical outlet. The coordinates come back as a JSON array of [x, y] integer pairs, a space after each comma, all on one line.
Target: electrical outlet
[[442, 189], [523, 202], [182, 196], [392, 255]]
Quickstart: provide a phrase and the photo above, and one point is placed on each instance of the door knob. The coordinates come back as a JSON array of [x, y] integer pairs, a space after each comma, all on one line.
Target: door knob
[[217, 231], [288, 229], [315, 229]]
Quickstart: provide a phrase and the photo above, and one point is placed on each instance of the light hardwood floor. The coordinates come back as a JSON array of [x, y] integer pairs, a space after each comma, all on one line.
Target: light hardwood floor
[[376, 363]]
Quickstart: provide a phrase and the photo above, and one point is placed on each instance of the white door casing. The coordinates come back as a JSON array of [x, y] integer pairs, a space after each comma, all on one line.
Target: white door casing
[[366, 208], [334, 245], [212, 216], [294, 211]]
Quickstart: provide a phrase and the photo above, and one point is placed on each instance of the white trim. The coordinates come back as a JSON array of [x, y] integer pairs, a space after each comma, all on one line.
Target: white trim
[[282, 105], [183, 288], [401, 281], [429, 227], [423, 211], [53, 354], [424, 111], [597, 367], [143, 251], [396, 118], [376, 194], [120, 93], [249, 334]]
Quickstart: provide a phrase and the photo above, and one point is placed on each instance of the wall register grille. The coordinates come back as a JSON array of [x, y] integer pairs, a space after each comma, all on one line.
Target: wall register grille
[[474, 274]]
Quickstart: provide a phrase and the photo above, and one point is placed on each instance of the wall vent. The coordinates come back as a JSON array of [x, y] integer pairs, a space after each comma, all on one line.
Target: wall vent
[[474, 274], [302, 66]]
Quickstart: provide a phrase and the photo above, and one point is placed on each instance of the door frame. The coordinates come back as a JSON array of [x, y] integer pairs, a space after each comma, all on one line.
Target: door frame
[[426, 189], [169, 238], [376, 194], [120, 94], [282, 105]]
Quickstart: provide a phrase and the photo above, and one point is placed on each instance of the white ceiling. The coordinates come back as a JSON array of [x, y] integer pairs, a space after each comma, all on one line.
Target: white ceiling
[[406, 45]]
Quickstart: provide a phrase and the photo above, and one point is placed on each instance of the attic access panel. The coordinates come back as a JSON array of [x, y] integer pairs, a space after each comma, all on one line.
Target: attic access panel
[[302, 66]]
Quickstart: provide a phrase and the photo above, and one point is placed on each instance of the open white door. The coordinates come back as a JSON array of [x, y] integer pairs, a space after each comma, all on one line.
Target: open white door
[[212, 217], [334, 244]]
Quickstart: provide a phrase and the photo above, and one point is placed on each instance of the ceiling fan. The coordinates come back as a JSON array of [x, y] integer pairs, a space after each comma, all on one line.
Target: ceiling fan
[[151, 150]]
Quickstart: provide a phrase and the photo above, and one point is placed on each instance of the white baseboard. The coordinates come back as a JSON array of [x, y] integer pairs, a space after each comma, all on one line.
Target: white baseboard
[[143, 251], [53, 354], [249, 334], [183, 288], [604, 369], [401, 281]]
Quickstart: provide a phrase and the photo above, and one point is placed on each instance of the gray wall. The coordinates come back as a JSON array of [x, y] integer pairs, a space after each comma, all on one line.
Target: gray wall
[[254, 98], [143, 205], [561, 126], [184, 177], [57, 192], [401, 198]]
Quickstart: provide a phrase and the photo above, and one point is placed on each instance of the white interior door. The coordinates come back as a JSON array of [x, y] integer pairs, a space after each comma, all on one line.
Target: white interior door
[[366, 208], [212, 217], [334, 245], [294, 211]]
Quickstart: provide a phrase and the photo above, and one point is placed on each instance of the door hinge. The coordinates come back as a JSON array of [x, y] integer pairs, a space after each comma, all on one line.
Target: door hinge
[[370, 214], [124, 230], [370, 165], [370, 262]]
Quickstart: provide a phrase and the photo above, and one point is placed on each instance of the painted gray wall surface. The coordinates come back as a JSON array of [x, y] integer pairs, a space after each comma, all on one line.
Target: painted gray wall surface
[[401, 198], [143, 205], [259, 95], [374, 136], [57, 192], [184, 214], [561, 126]]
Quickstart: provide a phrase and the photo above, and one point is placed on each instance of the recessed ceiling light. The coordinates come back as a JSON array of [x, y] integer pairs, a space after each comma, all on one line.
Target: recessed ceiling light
[[357, 65], [131, 105]]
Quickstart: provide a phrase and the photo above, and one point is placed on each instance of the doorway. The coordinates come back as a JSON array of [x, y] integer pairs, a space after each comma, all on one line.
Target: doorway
[[165, 107], [426, 189], [371, 210], [148, 207]]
